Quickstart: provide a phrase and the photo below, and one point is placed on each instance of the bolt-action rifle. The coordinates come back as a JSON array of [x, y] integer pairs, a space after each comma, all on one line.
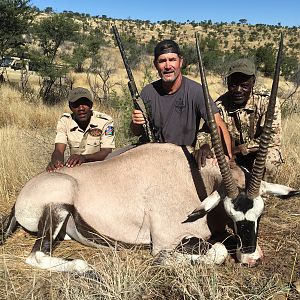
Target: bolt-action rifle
[[137, 101]]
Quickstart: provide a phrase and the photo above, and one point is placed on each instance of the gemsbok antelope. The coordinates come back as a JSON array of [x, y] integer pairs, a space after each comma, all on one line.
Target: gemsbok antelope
[[153, 194]]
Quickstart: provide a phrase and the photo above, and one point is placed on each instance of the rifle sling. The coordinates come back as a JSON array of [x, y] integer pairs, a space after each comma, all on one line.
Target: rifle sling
[[251, 129], [238, 126]]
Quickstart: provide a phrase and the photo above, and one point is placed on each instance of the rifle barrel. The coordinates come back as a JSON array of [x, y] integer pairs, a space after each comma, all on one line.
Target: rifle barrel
[[125, 60], [137, 101]]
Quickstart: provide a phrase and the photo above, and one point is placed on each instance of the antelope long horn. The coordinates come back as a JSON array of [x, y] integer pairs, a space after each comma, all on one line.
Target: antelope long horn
[[260, 160], [230, 186]]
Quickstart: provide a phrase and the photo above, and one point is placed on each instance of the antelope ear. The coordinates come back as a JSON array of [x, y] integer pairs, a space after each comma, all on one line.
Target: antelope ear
[[206, 205], [278, 190]]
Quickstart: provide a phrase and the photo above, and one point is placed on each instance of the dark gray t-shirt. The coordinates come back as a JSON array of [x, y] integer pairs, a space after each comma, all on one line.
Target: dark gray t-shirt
[[175, 118]]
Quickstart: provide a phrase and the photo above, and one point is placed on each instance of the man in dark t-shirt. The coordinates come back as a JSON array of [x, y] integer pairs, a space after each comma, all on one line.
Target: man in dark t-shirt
[[175, 117], [176, 104]]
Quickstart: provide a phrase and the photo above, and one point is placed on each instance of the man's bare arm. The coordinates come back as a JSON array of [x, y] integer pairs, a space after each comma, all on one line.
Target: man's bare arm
[[78, 159], [57, 157]]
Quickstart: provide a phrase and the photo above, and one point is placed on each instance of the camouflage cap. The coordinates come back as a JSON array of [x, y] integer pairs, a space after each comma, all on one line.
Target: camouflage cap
[[78, 93], [242, 65]]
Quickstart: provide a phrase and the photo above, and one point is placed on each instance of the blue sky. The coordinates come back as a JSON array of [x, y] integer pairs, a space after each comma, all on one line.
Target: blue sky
[[272, 12]]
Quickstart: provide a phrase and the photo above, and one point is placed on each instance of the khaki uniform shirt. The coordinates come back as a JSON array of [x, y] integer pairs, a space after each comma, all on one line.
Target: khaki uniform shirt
[[245, 124], [99, 133]]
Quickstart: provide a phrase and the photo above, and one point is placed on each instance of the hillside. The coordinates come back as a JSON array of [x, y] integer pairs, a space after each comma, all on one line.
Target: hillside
[[72, 49], [229, 36]]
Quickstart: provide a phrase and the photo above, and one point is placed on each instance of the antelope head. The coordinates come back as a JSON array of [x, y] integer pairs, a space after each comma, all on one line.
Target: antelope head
[[244, 206]]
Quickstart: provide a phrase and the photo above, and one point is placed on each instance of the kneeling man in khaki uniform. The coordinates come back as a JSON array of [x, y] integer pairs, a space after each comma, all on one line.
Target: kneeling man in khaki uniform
[[89, 134]]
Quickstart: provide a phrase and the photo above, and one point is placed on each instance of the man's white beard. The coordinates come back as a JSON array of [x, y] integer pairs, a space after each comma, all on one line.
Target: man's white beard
[[168, 80]]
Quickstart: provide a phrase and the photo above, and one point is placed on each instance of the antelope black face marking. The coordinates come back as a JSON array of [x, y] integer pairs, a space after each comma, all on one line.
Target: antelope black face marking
[[242, 203], [247, 232], [245, 213]]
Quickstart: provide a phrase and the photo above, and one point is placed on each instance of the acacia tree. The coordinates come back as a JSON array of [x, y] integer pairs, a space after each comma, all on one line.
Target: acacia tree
[[243, 21], [134, 49], [99, 76], [51, 33], [265, 58], [16, 17], [290, 67], [101, 66], [85, 46]]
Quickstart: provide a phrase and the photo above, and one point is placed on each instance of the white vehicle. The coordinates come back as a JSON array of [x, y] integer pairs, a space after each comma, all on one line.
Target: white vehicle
[[14, 63]]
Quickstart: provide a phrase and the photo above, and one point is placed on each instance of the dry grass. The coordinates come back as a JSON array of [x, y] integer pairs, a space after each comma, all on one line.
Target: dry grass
[[26, 137], [24, 113]]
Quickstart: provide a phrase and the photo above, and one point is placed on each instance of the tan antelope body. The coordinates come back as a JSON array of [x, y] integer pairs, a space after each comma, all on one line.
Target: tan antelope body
[[132, 198], [143, 196], [149, 199]]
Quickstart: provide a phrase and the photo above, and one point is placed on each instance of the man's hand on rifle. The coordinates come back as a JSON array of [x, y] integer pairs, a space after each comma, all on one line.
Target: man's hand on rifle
[[137, 122], [137, 117]]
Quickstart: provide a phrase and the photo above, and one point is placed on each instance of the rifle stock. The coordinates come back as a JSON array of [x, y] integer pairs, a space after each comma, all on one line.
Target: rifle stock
[[135, 96]]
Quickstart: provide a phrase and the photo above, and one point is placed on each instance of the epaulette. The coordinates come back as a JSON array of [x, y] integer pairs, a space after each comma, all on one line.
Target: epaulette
[[261, 91], [102, 116]]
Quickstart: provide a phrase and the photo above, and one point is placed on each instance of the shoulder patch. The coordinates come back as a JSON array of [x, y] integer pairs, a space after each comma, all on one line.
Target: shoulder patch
[[109, 130]]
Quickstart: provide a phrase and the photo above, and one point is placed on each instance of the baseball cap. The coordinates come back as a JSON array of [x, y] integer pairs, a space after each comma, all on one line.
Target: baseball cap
[[166, 46], [242, 65], [78, 93]]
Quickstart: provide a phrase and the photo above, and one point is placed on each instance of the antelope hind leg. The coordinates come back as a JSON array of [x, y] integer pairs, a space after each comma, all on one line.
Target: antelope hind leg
[[50, 224], [8, 225]]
